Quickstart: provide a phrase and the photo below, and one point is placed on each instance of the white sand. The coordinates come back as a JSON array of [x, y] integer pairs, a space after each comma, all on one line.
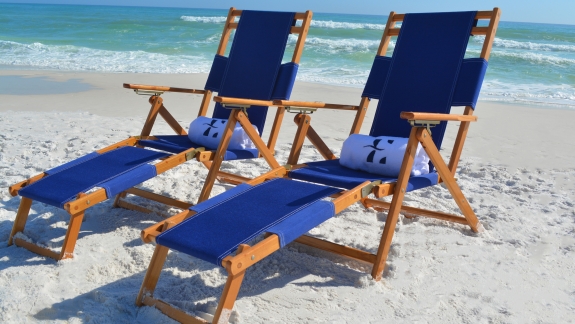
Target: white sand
[[516, 170]]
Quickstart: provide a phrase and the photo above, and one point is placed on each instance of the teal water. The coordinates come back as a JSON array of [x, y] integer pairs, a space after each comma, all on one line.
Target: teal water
[[530, 63]]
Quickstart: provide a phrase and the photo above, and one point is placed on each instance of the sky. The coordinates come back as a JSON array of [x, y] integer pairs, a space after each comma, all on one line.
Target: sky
[[549, 11]]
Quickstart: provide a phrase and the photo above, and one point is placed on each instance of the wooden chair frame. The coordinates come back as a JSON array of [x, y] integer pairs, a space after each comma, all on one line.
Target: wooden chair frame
[[246, 256], [211, 159]]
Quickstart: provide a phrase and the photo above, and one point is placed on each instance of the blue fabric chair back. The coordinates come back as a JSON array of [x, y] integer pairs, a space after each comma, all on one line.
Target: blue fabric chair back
[[422, 74], [254, 64]]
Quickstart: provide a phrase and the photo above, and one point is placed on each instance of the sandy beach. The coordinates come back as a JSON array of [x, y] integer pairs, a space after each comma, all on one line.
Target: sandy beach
[[517, 171]]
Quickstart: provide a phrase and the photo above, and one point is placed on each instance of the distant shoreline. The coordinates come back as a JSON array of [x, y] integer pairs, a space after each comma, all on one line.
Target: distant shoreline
[[84, 81]]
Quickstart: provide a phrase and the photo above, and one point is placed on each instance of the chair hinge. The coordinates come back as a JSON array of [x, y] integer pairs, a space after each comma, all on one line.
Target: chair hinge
[[288, 167], [300, 110], [192, 154], [365, 191], [244, 108], [425, 123], [142, 92]]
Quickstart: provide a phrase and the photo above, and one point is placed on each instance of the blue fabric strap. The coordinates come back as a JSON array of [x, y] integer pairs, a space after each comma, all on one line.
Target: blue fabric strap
[[303, 221], [423, 70], [377, 76], [469, 82], [283, 85], [218, 229], [216, 73], [285, 81], [254, 61], [58, 188], [467, 90], [128, 179]]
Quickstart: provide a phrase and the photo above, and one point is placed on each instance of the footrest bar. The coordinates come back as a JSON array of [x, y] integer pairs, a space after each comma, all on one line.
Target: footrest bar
[[382, 205], [37, 249], [337, 249], [172, 312], [127, 205], [159, 198]]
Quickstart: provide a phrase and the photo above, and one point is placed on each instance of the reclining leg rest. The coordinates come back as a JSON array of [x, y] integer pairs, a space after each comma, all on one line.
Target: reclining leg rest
[[300, 211]]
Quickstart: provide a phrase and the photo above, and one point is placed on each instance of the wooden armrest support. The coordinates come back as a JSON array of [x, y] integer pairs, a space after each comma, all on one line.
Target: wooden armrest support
[[149, 234], [161, 88], [241, 101], [436, 117], [313, 104], [13, 189]]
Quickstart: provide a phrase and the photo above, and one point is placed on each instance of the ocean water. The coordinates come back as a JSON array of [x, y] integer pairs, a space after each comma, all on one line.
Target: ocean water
[[530, 63]]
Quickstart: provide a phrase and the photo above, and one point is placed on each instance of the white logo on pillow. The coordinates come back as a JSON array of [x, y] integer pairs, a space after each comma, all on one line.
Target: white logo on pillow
[[381, 155], [208, 132]]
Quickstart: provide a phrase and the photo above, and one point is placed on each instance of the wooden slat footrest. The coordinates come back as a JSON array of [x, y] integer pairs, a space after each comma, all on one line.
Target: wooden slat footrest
[[382, 205], [159, 198], [337, 249], [38, 250], [172, 312], [231, 178], [127, 205]]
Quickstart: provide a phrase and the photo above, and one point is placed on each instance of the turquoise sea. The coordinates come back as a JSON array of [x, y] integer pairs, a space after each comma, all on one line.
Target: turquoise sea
[[530, 63]]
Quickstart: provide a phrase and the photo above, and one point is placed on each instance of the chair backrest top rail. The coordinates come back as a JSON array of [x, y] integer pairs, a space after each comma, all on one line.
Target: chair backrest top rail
[[491, 15], [231, 24]]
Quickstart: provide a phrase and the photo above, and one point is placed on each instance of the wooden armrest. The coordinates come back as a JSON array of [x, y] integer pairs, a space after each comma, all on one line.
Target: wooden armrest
[[313, 104], [161, 88], [436, 117], [241, 101]]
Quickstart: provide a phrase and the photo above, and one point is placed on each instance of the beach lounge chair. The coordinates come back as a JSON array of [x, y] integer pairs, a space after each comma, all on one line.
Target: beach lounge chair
[[427, 73], [253, 69]]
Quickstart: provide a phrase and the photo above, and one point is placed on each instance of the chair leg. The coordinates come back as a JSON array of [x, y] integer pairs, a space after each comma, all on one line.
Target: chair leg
[[449, 181], [303, 121], [386, 237], [229, 295], [464, 206], [219, 157], [152, 274], [21, 218], [156, 102], [119, 196], [71, 236], [396, 202]]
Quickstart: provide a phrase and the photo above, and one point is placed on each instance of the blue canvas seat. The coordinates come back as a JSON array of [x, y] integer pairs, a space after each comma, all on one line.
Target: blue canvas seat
[[253, 71], [280, 201], [426, 73]]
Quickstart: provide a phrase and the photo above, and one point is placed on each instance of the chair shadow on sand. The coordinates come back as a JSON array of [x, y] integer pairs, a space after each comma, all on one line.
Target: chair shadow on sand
[[100, 219], [189, 293]]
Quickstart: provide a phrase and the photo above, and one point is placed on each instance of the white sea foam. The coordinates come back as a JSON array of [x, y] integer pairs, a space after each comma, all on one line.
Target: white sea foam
[[562, 95], [353, 81], [512, 44], [343, 44], [74, 58], [537, 58], [206, 20], [314, 23], [345, 25]]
